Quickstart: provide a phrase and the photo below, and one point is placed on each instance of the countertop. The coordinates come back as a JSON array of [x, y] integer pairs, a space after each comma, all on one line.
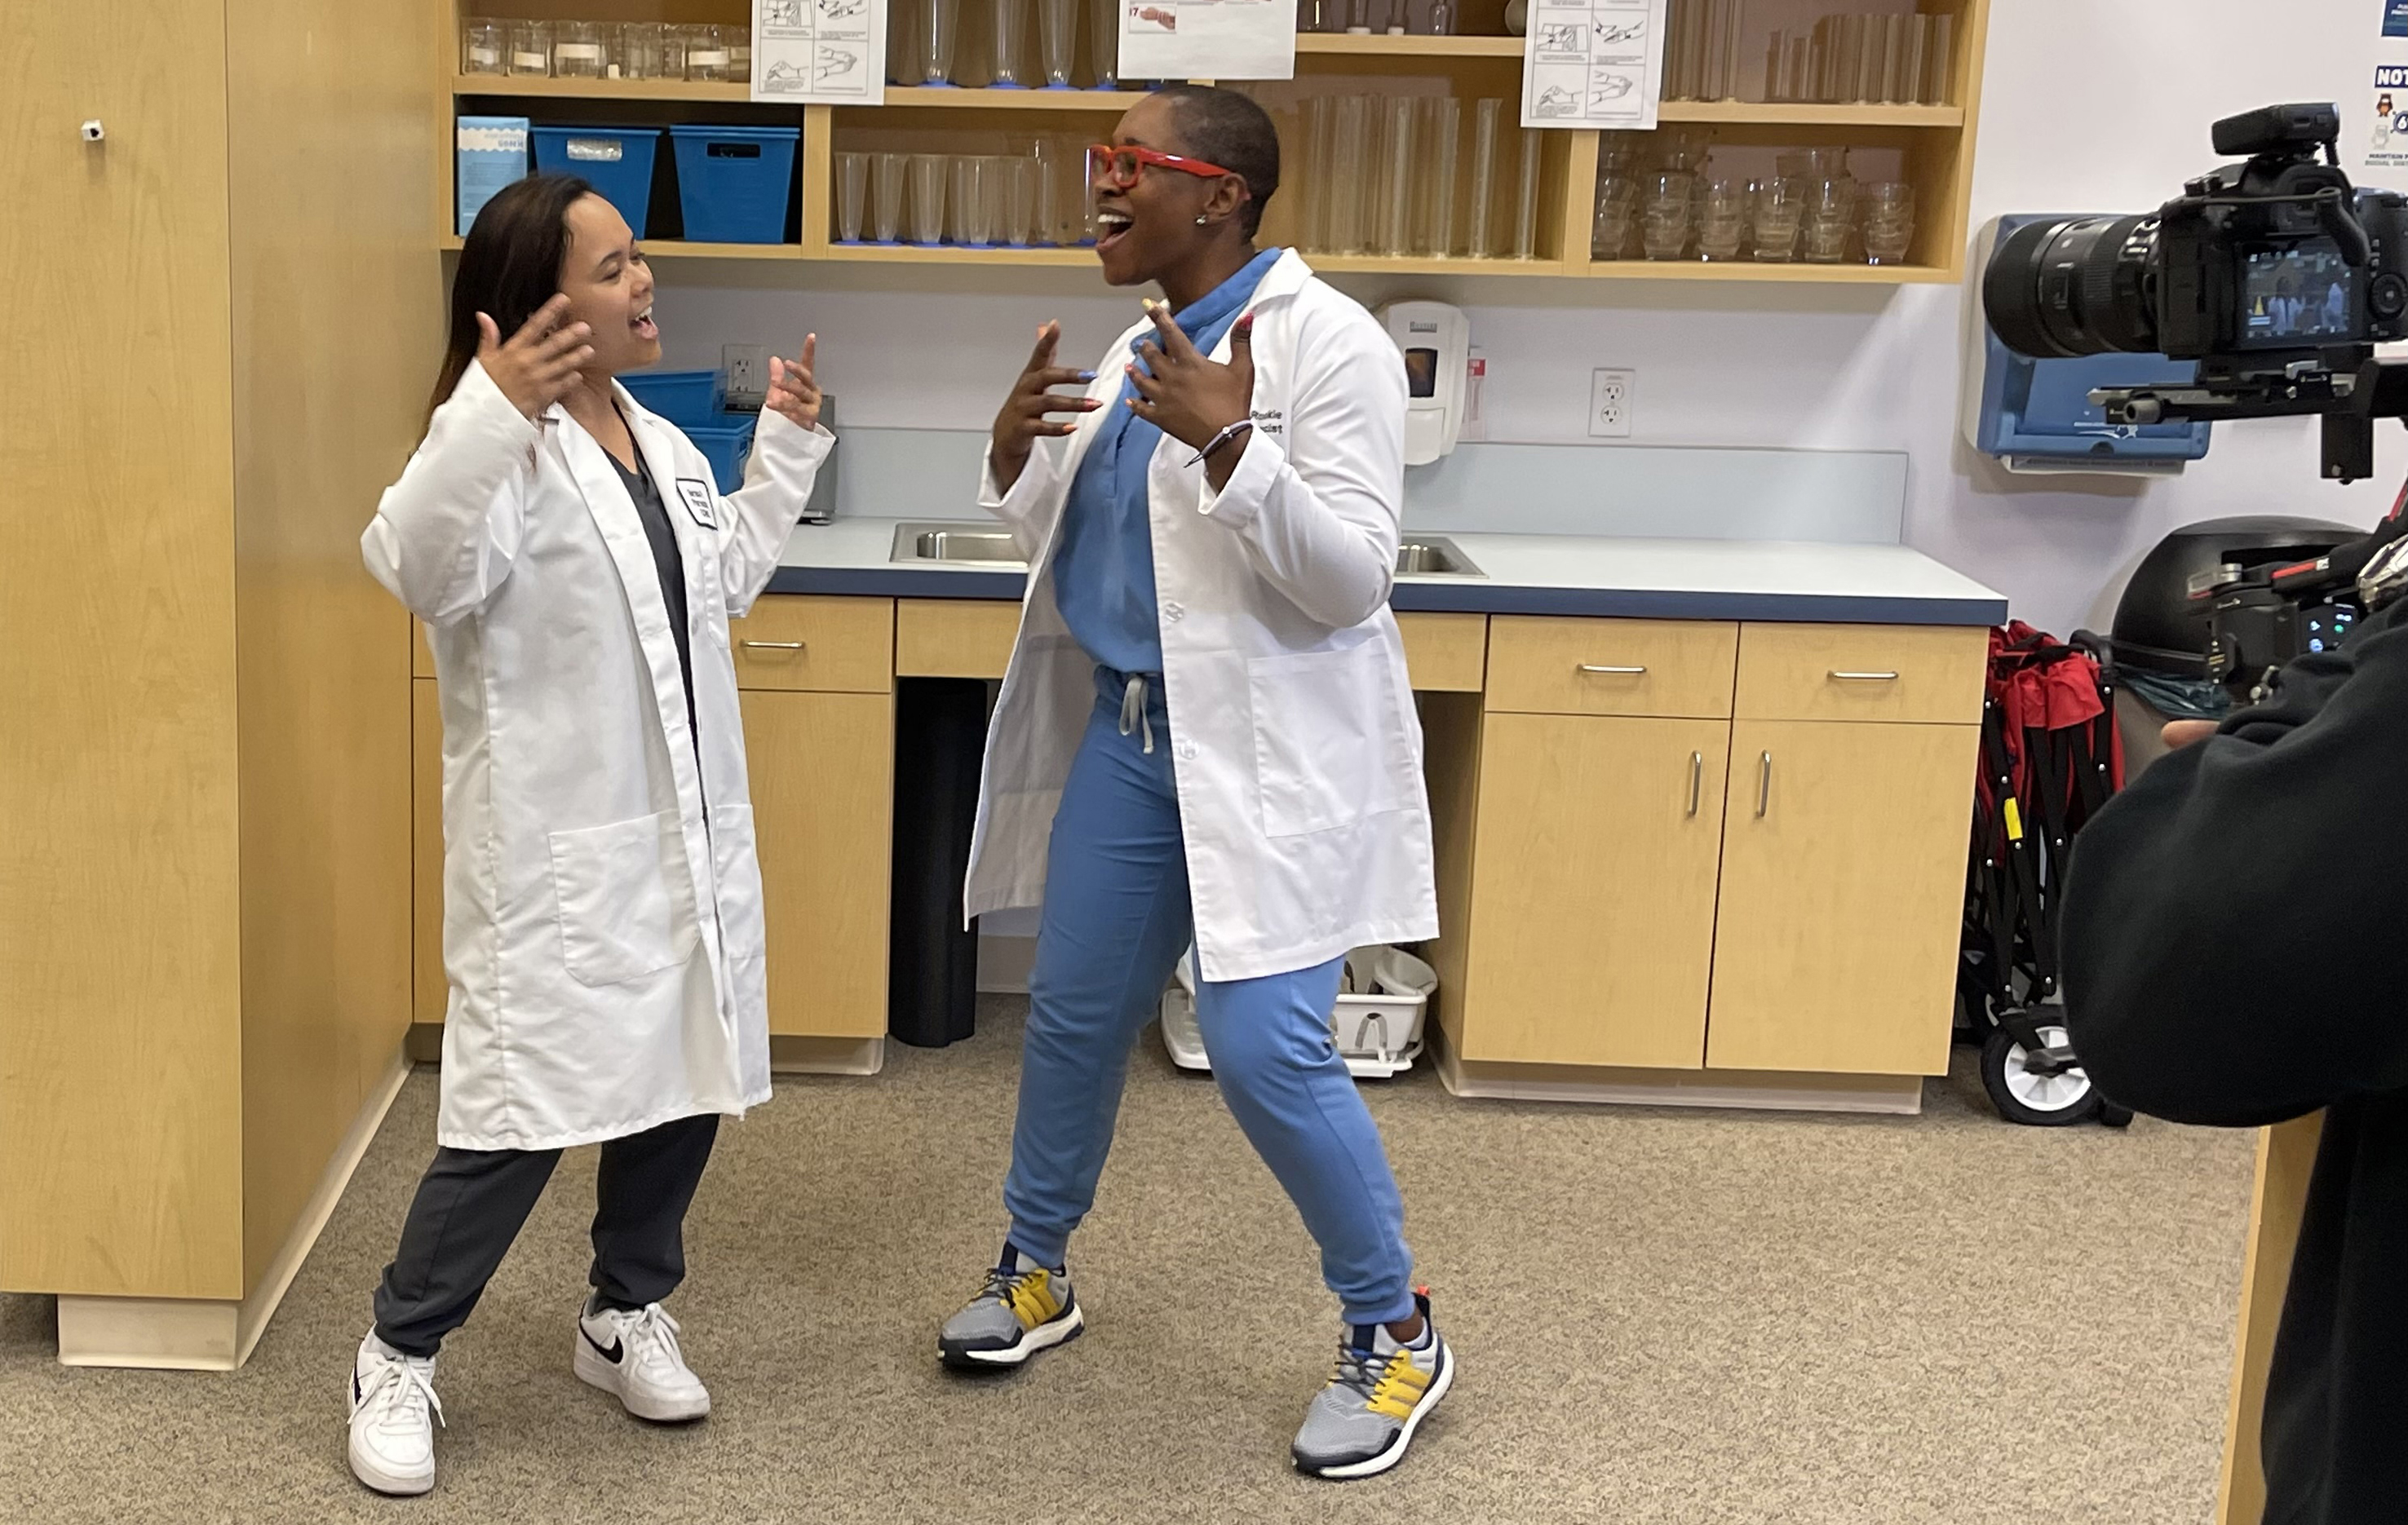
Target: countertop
[[1526, 574]]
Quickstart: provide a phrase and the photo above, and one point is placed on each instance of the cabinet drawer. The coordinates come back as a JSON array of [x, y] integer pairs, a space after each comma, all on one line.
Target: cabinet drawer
[[1445, 653], [823, 645], [1927, 674], [953, 637], [1679, 668]]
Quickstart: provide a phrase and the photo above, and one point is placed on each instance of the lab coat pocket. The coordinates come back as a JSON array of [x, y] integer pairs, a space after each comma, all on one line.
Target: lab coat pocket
[[618, 916], [1326, 734]]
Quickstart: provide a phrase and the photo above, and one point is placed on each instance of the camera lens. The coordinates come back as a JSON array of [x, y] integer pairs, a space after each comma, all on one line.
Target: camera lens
[[2078, 286]]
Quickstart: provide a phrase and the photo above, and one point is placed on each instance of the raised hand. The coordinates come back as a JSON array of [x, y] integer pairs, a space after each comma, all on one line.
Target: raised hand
[[1026, 416], [793, 390], [1187, 396], [539, 364]]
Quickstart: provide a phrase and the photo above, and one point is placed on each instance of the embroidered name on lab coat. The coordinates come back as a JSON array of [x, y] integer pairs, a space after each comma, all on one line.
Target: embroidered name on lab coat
[[697, 502], [1269, 421]]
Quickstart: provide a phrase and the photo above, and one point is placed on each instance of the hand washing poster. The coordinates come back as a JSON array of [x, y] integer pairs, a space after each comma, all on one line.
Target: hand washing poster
[[1594, 63], [823, 51], [1207, 39]]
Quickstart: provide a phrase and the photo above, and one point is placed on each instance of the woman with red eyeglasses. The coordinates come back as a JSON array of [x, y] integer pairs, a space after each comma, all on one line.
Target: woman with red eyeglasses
[[1206, 736]]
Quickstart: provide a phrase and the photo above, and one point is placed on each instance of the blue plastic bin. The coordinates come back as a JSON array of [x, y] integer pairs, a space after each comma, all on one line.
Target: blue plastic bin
[[735, 182], [617, 161], [726, 442], [684, 397]]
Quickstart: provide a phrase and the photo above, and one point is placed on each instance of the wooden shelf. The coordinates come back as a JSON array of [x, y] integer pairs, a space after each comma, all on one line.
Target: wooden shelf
[[1383, 264], [1800, 114], [1387, 47], [597, 89], [955, 97], [1793, 273], [956, 254], [678, 249]]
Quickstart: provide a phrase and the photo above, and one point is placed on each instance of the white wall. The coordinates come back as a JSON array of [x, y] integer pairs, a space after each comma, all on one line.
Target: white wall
[[2088, 106]]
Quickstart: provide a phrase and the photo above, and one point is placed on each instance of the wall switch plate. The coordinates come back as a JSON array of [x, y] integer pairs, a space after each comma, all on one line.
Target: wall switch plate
[[1609, 403], [746, 368]]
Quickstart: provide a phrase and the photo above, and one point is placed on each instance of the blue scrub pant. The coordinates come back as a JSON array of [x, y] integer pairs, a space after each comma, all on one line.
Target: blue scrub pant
[[1116, 919]]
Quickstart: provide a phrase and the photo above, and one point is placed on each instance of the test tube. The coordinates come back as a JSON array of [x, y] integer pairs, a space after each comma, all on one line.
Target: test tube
[[1479, 213], [1526, 198], [893, 171], [1442, 135]]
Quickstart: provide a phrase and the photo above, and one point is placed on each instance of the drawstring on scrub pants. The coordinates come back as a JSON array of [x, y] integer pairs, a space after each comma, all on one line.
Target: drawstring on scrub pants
[[1134, 720]]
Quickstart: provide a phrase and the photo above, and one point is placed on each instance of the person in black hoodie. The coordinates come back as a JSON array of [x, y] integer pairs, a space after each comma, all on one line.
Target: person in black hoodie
[[2235, 949]]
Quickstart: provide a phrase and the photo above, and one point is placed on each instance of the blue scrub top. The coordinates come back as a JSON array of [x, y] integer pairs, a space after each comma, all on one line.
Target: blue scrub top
[[1103, 567]]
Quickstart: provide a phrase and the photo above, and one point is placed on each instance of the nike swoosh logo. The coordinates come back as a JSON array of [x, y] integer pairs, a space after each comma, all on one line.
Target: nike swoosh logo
[[612, 1353]]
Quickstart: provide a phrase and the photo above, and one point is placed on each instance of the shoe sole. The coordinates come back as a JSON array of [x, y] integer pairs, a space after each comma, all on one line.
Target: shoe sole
[[395, 1484], [1043, 1337], [594, 1372], [1395, 1452]]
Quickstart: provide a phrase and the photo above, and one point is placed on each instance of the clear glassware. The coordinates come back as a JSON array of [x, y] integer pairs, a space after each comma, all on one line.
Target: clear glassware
[[530, 47], [1723, 206], [1725, 23], [1011, 21], [891, 172], [706, 53], [1320, 145], [1105, 40], [578, 51], [673, 45], [902, 43], [1895, 35], [1778, 213], [928, 198], [1667, 214], [1940, 62], [852, 195], [1618, 213], [1830, 219], [640, 51], [484, 46], [1359, 17], [1397, 118], [1684, 52], [737, 40], [1525, 195], [1887, 208], [972, 213], [1023, 221], [1057, 39], [1479, 212], [938, 28], [1913, 62], [1349, 227], [1438, 153]]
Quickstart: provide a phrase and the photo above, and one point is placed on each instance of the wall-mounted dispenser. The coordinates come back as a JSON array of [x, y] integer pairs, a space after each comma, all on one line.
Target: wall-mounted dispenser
[[1435, 340]]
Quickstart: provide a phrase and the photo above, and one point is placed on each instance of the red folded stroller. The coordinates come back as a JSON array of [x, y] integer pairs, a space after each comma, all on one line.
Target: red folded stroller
[[2050, 759]]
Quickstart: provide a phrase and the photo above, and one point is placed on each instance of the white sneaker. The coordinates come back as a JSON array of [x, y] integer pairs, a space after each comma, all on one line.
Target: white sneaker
[[393, 1415], [635, 1355]]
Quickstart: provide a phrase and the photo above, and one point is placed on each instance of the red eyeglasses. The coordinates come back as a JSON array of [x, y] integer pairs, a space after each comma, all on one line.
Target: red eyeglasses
[[1119, 167]]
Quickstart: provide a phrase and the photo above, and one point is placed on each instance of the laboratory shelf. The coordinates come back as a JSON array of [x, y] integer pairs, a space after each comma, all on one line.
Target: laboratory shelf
[[1793, 273], [679, 248], [1807, 114], [956, 254], [533, 85], [953, 97], [1346, 44]]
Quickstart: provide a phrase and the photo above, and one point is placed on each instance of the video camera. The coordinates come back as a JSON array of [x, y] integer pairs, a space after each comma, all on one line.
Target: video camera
[[2275, 275]]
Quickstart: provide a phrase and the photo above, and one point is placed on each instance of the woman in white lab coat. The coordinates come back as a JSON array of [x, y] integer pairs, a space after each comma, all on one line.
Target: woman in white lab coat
[[1207, 730], [576, 568]]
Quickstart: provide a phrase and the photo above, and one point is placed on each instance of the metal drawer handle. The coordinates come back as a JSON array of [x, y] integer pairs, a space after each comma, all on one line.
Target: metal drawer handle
[[1611, 672], [1764, 786], [1697, 779], [1864, 677], [772, 645]]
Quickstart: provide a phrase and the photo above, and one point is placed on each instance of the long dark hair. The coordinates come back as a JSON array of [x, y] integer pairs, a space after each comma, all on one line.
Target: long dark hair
[[509, 265]]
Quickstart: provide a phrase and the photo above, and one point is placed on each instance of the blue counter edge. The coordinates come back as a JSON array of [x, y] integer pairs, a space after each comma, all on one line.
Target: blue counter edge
[[1464, 598]]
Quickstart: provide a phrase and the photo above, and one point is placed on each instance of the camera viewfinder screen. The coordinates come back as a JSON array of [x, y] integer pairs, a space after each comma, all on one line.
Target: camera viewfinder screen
[[2296, 294]]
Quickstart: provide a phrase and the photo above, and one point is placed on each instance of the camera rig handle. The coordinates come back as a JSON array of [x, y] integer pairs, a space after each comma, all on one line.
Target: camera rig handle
[[2347, 387]]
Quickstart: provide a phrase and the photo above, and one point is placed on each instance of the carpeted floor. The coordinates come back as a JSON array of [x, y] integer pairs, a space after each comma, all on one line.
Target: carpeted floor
[[1662, 1316]]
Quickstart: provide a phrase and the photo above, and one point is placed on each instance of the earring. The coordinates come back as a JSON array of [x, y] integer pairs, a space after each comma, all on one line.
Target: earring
[[1200, 222]]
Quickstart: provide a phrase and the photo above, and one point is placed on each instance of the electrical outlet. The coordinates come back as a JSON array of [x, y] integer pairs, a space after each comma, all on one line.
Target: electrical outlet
[[1609, 403], [747, 369]]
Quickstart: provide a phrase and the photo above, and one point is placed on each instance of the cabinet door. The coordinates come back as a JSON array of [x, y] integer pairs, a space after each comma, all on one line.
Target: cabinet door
[[1842, 888], [1592, 924], [430, 991], [822, 767]]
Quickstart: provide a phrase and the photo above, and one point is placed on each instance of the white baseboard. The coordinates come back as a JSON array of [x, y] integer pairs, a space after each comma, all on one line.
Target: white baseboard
[[827, 1056], [198, 1334]]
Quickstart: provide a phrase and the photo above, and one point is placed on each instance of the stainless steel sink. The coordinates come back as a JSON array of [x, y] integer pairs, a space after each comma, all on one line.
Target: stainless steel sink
[[975, 546]]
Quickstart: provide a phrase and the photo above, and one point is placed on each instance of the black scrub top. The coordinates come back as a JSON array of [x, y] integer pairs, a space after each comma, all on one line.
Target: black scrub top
[[669, 566]]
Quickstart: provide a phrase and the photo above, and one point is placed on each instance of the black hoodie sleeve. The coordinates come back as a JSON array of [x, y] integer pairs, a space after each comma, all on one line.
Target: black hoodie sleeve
[[2235, 940]]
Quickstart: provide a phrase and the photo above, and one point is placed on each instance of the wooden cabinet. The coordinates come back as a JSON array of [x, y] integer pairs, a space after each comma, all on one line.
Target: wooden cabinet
[[1843, 883], [1594, 890], [822, 769], [1550, 667]]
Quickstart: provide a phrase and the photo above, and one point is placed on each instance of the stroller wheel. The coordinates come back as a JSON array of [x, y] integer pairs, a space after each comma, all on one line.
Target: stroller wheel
[[2028, 1096]]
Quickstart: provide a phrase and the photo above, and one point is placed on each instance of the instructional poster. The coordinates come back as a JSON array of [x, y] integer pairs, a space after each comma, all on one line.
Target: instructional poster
[[1209, 40], [828, 51], [1592, 64]]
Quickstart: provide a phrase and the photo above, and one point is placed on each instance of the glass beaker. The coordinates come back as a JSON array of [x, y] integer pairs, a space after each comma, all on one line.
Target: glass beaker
[[640, 51], [484, 46], [928, 198], [1888, 210], [706, 53], [530, 47], [936, 25], [1722, 202], [1779, 212], [1617, 212], [578, 51], [892, 171], [1666, 214], [853, 195]]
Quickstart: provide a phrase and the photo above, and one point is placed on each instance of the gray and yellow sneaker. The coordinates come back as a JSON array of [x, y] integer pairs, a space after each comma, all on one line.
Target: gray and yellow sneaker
[[1359, 1425], [1025, 1307]]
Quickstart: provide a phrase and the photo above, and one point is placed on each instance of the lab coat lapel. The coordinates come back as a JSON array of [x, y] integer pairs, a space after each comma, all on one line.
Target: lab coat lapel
[[698, 544]]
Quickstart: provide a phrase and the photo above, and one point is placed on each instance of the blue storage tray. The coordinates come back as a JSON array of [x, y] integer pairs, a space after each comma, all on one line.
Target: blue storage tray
[[616, 161], [684, 397], [726, 442], [734, 182]]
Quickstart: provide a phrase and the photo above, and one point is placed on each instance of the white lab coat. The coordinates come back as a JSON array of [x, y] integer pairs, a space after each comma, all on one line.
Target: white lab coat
[[1298, 754], [602, 926]]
